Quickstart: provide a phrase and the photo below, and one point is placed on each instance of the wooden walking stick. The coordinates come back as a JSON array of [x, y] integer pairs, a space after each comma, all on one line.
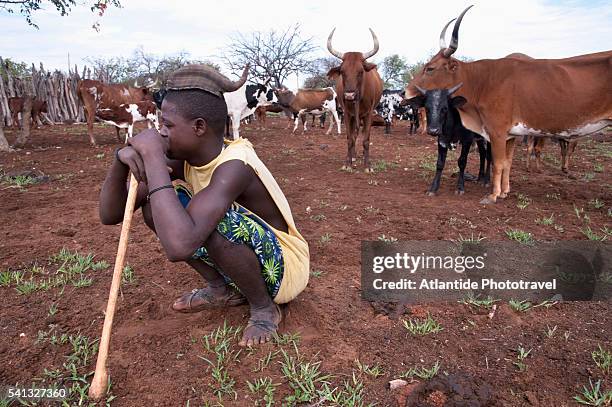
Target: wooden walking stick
[[100, 379]]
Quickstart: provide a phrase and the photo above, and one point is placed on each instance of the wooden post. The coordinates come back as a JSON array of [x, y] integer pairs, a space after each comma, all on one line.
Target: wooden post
[[26, 126], [4, 145]]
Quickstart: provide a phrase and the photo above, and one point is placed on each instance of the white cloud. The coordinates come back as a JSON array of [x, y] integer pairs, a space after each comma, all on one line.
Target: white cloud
[[491, 29]]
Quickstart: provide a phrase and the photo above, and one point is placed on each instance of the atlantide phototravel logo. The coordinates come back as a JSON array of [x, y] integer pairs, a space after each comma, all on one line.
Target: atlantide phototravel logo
[[434, 271]]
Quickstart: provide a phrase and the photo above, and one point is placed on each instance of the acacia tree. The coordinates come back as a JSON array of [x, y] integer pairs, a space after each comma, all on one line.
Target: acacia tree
[[64, 7], [141, 66], [274, 54], [392, 69], [318, 72]]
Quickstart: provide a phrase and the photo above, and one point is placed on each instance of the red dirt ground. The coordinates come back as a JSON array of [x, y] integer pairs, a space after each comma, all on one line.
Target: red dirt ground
[[155, 353]]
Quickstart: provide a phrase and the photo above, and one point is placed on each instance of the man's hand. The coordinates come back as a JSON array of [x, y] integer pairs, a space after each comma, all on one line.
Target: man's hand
[[148, 142], [130, 157]]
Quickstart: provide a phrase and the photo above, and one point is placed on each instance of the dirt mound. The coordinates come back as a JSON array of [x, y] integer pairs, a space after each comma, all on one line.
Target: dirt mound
[[455, 390]]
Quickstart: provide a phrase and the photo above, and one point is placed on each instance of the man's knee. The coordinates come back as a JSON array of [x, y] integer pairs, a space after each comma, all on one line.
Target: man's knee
[[220, 248]]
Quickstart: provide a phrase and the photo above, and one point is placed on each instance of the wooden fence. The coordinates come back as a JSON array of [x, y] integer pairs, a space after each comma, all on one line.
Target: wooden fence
[[58, 88]]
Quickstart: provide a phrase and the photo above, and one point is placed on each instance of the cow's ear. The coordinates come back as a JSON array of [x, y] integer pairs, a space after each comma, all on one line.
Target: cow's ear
[[334, 72], [145, 91], [458, 101], [368, 66], [415, 102]]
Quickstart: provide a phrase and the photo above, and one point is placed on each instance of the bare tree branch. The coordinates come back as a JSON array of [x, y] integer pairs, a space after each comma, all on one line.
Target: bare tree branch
[[273, 55]]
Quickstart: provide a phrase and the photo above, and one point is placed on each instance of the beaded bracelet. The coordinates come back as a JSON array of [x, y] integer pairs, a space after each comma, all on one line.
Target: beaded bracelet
[[158, 189]]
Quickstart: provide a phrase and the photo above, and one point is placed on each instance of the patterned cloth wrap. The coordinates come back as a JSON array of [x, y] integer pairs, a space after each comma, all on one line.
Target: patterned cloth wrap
[[241, 226]]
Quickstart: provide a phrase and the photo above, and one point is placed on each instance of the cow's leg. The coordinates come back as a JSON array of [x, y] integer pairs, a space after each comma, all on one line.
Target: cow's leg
[[498, 147], [435, 184], [304, 120], [507, 167], [331, 123], [367, 123], [537, 149], [482, 155], [570, 150], [118, 132], [567, 148], [296, 121], [129, 132], [236, 126], [336, 118], [91, 116], [530, 145], [387, 127], [350, 145], [462, 162]]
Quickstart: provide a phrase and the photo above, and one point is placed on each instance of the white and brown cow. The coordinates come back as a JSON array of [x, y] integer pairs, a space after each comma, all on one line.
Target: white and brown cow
[[125, 115], [97, 96], [310, 101]]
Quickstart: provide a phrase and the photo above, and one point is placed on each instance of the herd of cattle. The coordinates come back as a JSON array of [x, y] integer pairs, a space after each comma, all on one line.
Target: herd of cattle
[[490, 101]]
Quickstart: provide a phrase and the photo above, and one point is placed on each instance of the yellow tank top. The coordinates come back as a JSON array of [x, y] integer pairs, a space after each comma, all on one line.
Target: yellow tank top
[[296, 256]]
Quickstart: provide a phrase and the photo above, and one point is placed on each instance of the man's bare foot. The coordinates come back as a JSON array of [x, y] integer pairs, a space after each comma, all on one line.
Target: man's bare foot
[[209, 297], [262, 325]]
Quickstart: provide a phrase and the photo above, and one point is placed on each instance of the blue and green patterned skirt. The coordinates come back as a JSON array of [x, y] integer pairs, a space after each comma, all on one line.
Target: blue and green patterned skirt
[[241, 226]]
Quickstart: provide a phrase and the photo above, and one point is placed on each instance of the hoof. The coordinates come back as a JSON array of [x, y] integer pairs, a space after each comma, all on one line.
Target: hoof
[[503, 195], [430, 193], [459, 192], [487, 200], [368, 170]]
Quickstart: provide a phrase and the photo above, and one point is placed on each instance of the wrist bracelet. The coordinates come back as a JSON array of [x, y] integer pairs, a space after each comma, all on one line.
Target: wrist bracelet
[[158, 189]]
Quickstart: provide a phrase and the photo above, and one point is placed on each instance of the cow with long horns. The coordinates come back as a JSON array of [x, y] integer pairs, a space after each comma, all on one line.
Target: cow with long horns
[[359, 89], [557, 98]]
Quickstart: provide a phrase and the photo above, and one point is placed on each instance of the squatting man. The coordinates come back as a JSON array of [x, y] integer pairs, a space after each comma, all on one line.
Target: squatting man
[[233, 224]]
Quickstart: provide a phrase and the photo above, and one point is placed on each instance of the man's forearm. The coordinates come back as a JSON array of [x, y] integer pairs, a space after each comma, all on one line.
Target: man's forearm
[[173, 225], [113, 194]]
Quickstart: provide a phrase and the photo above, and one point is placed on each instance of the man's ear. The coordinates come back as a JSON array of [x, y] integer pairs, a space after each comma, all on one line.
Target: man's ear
[[368, 66], [458, 101], [200, 127], [334, 72]]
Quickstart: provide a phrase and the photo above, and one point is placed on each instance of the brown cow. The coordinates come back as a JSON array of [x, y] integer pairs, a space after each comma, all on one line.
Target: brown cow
[[360, 88], [535, 145], [558, 98], [16, 106], [96, 95], [312, 101], [261, 113]]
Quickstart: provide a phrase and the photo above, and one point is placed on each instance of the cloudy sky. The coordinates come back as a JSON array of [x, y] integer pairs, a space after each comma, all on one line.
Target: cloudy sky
[[491, 29]]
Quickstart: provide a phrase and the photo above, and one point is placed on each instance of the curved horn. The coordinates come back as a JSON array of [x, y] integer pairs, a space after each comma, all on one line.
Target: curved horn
[[367, 55], [423, 91], [455, 38], [330, 48], [443, 34], [227, 85], [454, 88], [136, 83]]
